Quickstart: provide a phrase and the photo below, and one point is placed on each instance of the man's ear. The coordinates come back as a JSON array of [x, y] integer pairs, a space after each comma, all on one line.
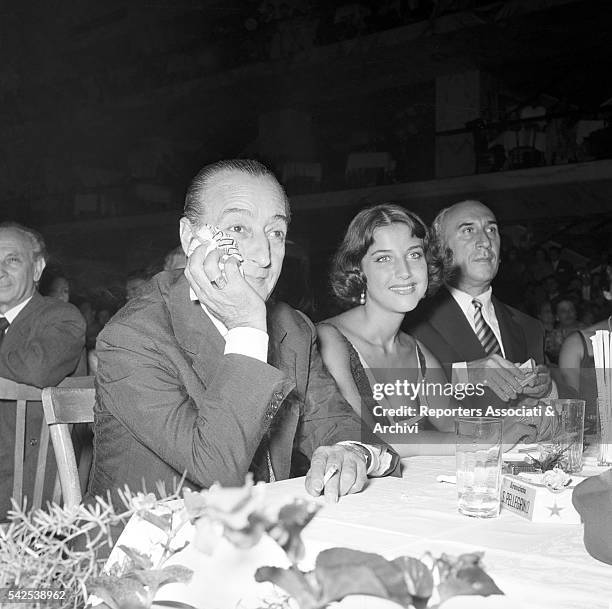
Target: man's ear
[[186, 233], [39, 267]]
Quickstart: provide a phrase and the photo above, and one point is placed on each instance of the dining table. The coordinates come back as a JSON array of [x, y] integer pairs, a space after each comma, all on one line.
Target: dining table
[[536, 565]]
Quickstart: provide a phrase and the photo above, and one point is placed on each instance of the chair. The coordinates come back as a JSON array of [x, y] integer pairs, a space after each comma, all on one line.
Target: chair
[[63, 407], [24, 396]]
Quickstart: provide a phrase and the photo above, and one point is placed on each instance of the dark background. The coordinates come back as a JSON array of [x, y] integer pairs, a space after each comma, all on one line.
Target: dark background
[[109, 107]]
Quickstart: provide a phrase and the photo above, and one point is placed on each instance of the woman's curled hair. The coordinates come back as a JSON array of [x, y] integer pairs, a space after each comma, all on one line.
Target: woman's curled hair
[[347, 280]]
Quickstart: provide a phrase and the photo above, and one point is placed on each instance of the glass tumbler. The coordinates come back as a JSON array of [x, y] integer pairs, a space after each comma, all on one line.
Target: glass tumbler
[[479, 465]]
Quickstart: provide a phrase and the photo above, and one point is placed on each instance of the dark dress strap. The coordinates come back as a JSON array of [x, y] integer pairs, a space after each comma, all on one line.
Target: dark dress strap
[[421, 360], [362, 381]]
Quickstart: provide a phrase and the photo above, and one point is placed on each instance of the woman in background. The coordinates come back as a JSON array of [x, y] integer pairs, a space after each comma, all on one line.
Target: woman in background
[[55, 284], [577, 368], [566, 323]]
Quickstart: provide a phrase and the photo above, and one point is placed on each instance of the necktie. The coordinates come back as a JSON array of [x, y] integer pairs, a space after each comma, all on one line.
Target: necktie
[[4, 324], [483, 331]]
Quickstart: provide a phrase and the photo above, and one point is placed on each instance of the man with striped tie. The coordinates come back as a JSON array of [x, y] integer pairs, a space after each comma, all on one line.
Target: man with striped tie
[[477, 338]]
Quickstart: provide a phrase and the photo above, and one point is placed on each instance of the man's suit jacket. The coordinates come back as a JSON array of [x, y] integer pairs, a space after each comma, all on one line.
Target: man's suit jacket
[[169, 401], [439, 323], [44, 344]]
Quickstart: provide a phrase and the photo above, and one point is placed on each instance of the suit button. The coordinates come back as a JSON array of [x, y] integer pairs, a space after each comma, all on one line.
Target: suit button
[[33, 442]]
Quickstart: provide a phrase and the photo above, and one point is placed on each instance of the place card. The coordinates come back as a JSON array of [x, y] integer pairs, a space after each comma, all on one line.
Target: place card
[[526, 496]]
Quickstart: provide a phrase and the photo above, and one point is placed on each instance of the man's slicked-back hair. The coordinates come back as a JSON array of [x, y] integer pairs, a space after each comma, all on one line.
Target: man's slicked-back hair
[[438, 225], [195, 198], [39, 248]]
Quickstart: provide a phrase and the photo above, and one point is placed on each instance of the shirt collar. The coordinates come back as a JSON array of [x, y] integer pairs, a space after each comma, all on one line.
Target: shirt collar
[[464, 300], [11, 314]]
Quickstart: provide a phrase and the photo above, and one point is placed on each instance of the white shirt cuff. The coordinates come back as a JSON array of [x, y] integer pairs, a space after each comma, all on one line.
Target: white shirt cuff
[[247, 341], [380, 458], [460, 373]]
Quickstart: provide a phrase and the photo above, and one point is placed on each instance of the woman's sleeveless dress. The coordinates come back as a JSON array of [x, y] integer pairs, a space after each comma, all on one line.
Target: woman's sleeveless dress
[[363, 380]]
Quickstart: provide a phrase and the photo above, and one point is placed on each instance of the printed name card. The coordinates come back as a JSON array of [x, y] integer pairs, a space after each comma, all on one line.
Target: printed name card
[[526, 496]]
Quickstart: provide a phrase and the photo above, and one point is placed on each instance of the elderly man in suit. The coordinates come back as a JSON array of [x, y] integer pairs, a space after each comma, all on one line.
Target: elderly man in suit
[[42, 340], [198, 377], [477, 338]]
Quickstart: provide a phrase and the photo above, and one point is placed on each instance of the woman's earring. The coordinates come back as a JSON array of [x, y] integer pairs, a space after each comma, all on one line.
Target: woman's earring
[[362, 298]]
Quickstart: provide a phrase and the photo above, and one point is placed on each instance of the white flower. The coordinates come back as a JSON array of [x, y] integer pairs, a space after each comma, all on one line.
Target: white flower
[[556, 479], [141, 502]]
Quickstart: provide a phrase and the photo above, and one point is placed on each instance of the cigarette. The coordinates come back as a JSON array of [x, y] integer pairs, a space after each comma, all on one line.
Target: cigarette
[[332, 471], [447, 479]]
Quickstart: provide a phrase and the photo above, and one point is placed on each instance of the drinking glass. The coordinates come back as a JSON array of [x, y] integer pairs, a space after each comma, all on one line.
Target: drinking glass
[[479, 465], [604, 419], [569, 432]]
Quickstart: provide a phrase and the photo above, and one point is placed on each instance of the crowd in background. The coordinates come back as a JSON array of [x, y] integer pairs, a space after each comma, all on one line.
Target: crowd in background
[[564, 297]]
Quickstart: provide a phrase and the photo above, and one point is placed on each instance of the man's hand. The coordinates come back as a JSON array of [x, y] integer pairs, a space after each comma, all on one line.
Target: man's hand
[[540, 385], [544, 425], [351, 476], [515, 431], [233, 302], [497, 373]]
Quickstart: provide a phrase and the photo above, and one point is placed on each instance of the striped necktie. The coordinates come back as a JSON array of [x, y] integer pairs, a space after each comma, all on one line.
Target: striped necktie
[[4, 324], [483, 331]]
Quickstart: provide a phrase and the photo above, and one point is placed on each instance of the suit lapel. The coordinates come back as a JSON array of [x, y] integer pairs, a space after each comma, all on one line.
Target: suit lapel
[[18, 332], [450, 322], [197, 335], [511, 332], [194, 331], [284, 424]]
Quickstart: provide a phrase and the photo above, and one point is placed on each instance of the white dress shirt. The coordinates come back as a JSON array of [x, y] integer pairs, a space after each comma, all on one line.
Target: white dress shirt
[[464, 301], [11, 314]]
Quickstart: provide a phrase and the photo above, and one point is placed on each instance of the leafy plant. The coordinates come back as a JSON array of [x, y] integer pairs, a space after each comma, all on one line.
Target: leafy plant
[[549, 458], [64, 549], [407, 581]]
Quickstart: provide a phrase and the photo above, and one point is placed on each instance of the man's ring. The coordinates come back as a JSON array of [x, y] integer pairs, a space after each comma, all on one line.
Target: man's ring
[[220, 282]]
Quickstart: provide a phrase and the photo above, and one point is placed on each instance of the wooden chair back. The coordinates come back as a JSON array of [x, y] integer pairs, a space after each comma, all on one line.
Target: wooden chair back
[[23, 396], [64, 407]]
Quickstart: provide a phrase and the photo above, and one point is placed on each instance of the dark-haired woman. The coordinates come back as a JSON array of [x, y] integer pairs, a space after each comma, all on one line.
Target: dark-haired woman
[[381, 271]]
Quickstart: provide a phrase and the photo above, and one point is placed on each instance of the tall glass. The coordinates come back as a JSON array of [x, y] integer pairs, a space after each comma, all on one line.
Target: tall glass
[[479, 465], [604, 419], [569, 432]]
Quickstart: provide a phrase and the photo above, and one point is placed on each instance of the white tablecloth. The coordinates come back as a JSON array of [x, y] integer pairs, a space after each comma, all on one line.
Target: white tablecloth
[[538, 565]]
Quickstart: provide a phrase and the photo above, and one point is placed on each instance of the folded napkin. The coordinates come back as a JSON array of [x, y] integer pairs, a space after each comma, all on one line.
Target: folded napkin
[[521, 452], [593, 501]]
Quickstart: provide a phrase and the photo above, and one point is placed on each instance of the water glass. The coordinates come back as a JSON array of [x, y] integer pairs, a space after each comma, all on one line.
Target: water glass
[[479, 465], [569, 432]]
